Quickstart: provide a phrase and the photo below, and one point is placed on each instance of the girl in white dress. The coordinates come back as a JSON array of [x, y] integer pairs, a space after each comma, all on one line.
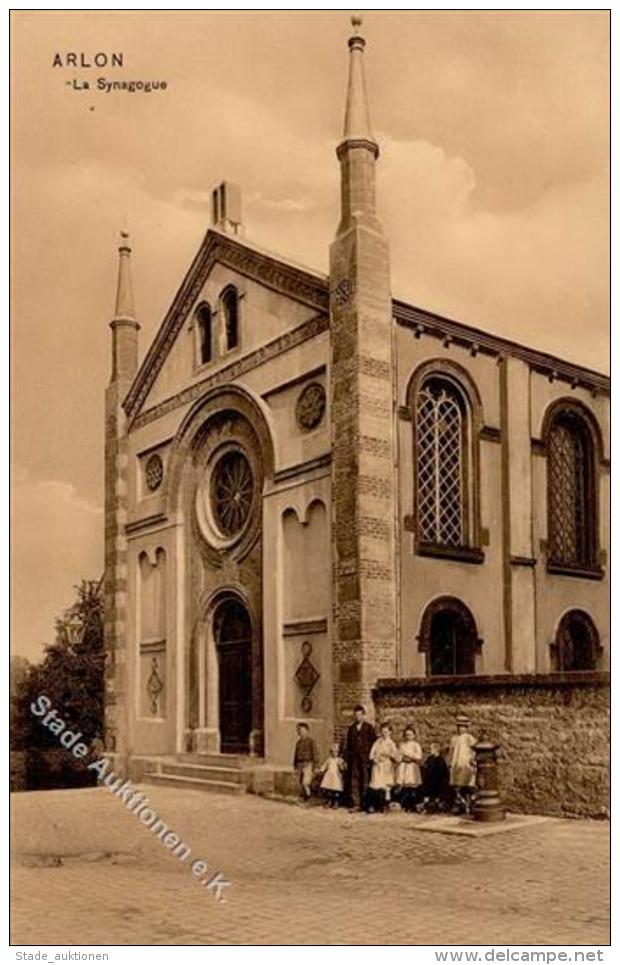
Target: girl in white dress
[[462, 765], [383, 756], [332, 769], [408, 773]]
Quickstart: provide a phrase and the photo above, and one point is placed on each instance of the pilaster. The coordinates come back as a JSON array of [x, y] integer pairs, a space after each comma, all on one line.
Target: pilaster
[[518, 557]]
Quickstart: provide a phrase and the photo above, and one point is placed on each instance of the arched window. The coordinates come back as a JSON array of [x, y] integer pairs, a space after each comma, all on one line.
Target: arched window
[[449, 637], [577, 644], [205, 334], [571, 493], [230, 310], [441, 463]]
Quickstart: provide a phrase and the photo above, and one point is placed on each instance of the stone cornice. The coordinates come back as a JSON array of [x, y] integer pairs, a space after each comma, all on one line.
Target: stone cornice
[[297, 380], [297, 283], [357, 142], [310, 465], [445, 329], [491, 433], [301, 628], [592, 678], [283, 343], [154, 521]]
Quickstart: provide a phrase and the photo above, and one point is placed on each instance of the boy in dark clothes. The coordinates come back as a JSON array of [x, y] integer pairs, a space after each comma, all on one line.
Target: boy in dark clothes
[[436, 782], [305, 760]]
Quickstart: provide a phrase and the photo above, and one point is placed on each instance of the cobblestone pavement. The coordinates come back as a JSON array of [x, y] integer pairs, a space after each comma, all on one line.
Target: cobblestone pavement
[[299, 876]]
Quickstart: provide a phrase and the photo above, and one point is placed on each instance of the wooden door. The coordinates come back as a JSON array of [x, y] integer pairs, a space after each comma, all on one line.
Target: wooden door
[[234, 647]]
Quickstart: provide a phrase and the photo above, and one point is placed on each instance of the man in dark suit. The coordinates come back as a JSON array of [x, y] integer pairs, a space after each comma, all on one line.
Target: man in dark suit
[[356, 752]]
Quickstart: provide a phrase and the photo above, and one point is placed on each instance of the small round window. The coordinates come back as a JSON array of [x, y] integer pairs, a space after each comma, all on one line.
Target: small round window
[[154, 472], [232, 491]]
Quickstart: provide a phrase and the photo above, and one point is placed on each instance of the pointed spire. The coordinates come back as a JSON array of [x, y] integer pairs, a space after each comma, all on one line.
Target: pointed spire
[[358, 151], [357, 116], [124, 325], [124, 309]]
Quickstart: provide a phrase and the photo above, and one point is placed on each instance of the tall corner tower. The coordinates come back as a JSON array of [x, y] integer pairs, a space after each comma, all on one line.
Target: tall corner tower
[[362, 413], [124, 367]]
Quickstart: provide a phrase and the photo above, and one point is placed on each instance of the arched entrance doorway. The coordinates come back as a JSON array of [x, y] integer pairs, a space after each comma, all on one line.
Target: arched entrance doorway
[[233, 638], [449, 637]]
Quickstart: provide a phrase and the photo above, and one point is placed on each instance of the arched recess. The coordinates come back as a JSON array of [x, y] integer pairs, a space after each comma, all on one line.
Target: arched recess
[[449, 637], [577, 644], [446, 415], [573, 446], [306, 577], [224, 432], [212, 668], [152, 632]]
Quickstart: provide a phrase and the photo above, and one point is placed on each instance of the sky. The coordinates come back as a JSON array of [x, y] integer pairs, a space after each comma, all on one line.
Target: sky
[[492, 187]]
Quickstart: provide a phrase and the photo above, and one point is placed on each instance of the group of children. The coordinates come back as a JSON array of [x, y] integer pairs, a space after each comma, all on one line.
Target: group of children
[[398, 773]]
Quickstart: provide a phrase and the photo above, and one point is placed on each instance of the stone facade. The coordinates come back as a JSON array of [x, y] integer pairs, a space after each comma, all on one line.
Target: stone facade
[[553, 732], [332, 487]]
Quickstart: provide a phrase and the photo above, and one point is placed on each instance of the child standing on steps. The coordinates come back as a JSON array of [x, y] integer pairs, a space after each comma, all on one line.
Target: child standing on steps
[[332, 769]]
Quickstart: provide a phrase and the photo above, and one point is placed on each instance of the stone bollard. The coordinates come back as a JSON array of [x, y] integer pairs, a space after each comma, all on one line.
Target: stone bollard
[[488, 804]]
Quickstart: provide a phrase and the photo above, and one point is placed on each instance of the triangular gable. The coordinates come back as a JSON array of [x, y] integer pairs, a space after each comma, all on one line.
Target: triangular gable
[[298, 283]]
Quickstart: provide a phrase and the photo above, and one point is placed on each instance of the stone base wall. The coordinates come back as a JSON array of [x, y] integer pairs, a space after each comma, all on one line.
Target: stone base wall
[[553, 731]]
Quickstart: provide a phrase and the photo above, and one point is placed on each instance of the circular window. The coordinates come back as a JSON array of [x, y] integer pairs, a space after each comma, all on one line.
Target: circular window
[[154, 472], [232, 492]]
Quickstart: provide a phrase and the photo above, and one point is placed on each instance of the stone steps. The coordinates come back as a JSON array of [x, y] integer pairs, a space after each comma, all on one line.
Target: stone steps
[[230, 775], [196, 783], [221, 773], [218, 760]]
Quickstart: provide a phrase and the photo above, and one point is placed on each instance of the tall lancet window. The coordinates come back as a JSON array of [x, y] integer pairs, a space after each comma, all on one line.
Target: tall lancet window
[[441, 463], [205, 334], [571, 493], [230, 311]]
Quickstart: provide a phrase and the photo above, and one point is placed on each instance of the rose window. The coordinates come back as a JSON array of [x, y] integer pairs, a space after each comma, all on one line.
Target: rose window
[[232, 491]]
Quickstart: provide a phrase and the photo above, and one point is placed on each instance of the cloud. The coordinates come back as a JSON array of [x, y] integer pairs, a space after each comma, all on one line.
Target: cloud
[[534, 272], [57, 541]]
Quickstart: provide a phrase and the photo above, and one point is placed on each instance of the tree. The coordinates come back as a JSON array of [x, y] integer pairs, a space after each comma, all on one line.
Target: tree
[[71, 674], [20, 671]]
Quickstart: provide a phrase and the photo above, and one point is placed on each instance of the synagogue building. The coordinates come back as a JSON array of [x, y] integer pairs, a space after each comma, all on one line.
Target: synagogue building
[[318, 494]]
